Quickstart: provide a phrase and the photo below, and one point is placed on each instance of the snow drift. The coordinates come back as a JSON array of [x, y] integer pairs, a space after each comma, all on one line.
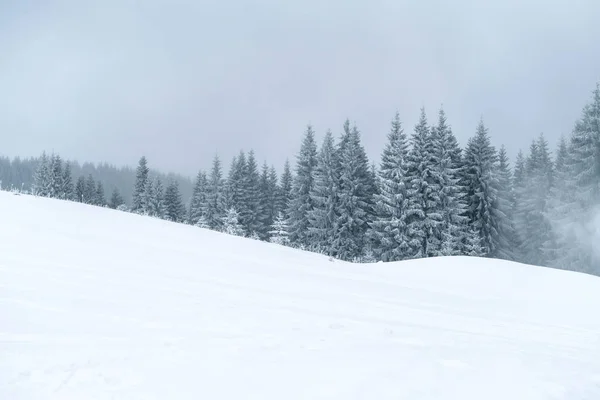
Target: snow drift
[[100, 304]]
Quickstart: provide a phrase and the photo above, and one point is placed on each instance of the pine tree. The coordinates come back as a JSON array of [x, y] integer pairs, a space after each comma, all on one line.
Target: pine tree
[[273, 196], [285, 193], [482, 190], [198, 202], [202, 223], [67, 190], [322, 217], [279, 231], [41, 179], [146, 199], [267, 198], [506, 201], [55, 177], [231, 224], [89, 195], [215, 197], [100, 199], [251, 213], [174, 207], [80, 189], [446, 174], [355, 191], [388, 232], [301, 203], [424, 217], [115, 199], [156, 199], [141, 178]]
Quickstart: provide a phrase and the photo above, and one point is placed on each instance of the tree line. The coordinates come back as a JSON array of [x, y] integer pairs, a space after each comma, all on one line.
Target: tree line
[[427, 197]]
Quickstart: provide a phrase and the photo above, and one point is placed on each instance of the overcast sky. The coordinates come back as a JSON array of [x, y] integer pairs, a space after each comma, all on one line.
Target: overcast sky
[[179, 81]]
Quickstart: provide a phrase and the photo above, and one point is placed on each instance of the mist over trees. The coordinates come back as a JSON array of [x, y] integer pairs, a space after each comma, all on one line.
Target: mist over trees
[[425, 197]]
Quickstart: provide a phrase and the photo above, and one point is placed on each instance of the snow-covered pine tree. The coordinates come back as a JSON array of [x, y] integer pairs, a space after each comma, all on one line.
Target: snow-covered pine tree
[[279, 231], [115, 199], [56, 177], [80, 189], [579, 232], [285, 190], [481, 183], [473, 246], [146, 199], [267, 207], [90, 190], [237, 184], [424, 216], [141, 178], [355, 191], [532, 224], [388, 231], [198, 201], [273, 195], [231, 224], [68, 191], [251, 214], [100, 199], [322, 216], [506, 201], [174, 207], [451, 204], [215, 197], [156, 199], [202, 223], [41, 178], [301, 203]]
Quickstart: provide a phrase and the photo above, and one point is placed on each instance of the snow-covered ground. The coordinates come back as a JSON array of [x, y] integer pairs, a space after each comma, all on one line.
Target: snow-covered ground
[[100, 304]]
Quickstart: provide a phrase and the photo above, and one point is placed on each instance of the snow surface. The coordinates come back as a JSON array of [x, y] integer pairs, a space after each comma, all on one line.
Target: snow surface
[[100, 304]]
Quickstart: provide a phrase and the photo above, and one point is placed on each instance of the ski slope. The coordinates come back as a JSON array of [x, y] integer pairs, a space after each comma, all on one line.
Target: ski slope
[[100, 304]]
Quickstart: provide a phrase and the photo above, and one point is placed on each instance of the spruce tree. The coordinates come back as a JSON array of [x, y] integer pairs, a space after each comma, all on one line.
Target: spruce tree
[[174, 207], [285, 190], [215, 197], [481, 181], [506, 201], [322, 217], [301, 203], [100, 199], [115, 199], [424, 217], [446, 176], [146, 199], [251, 209], [198, 201], [156, 199], [55, 177], [90, 191], [388, 232], [231, 224], [279, 231], [41, 179], [141, 179], [268, 197], [80, 189], [355, 191], [67, 190]]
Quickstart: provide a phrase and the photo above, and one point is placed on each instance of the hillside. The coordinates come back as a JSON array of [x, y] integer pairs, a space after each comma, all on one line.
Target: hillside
[[99, 304]]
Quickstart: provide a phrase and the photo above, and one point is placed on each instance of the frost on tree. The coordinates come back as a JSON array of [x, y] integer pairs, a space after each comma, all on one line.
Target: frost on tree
[[215, 197], [198, 200], [322, 217], [173, 205], [301, 202], [388, 231], [279, 231], [141, 179], [231, 223]]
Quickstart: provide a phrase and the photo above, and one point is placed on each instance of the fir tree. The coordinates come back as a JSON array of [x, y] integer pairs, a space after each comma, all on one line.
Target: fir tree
[[100, 199], [41, 179], [156, 199], [198, 202], [80, 189], [55, 177], [279, 231], [301, 203], [115, 199], [251, 214], [355, 191], [231, 224], [146, 199], [388, 233], [285, 193], [89, 196], [67, 190], [506, 201], [424, 216], [482, 190], [446, 176], [174, 207], [322, 217], [215, 197], [141, 179]]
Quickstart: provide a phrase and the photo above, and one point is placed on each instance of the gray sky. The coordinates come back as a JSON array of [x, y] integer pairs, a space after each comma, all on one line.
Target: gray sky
[[182, 80]]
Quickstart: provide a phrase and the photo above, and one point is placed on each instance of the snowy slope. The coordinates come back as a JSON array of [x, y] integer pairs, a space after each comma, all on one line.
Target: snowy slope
[[99, 304]]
